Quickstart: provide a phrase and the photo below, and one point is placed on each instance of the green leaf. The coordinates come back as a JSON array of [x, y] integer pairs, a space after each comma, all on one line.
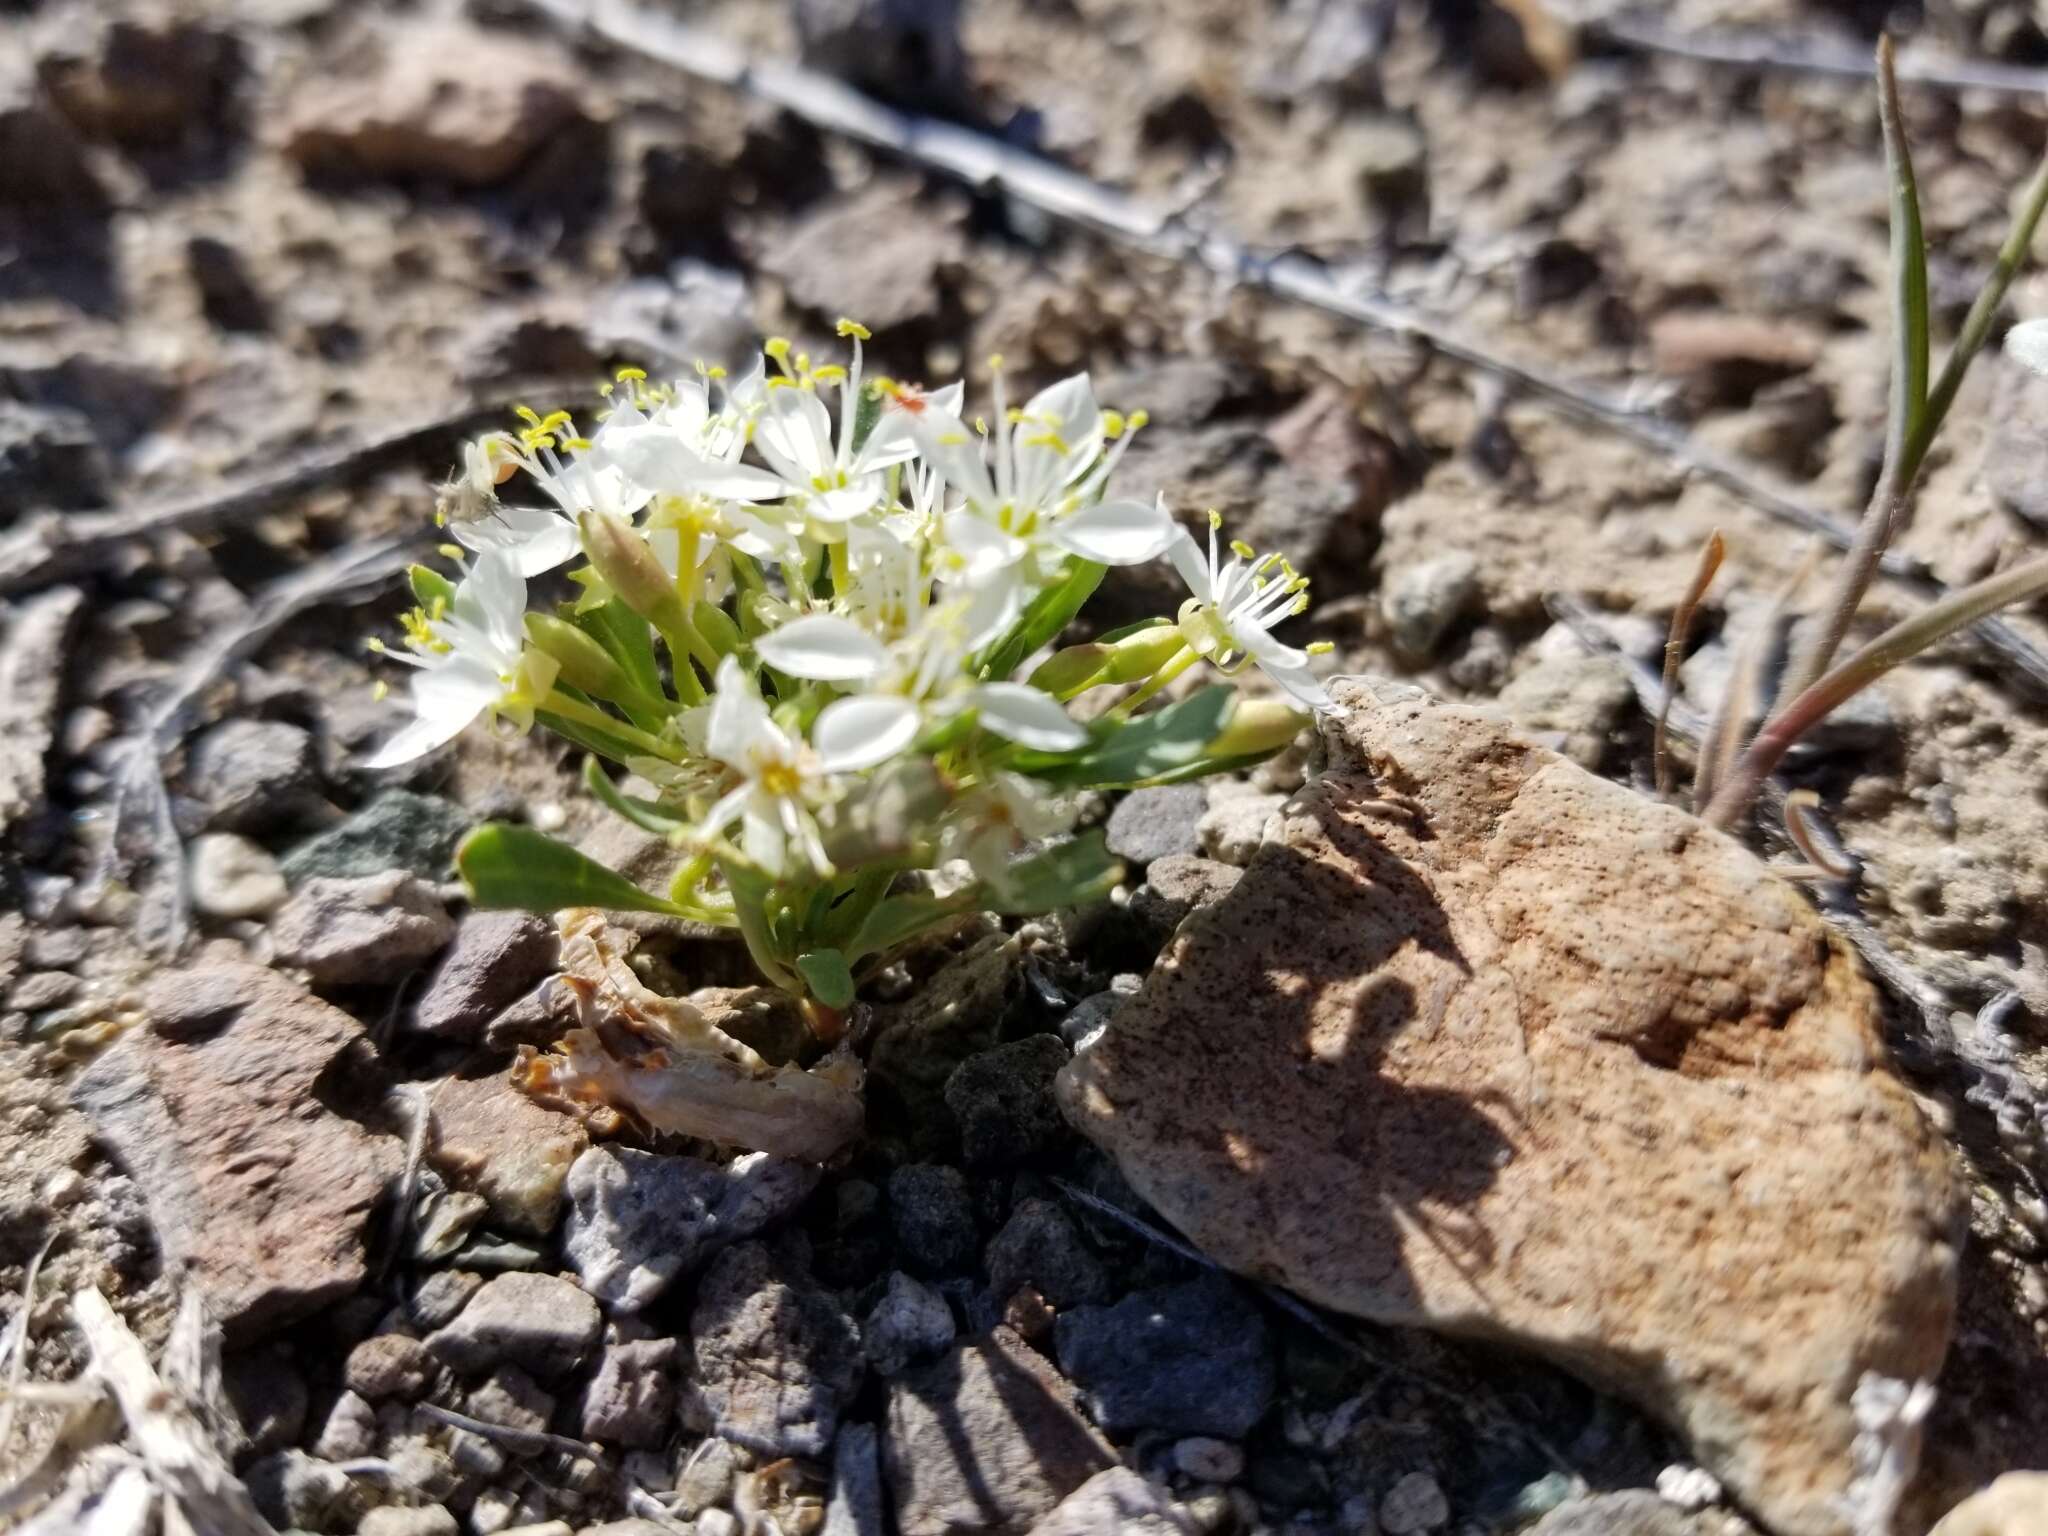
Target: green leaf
[[648, 815], [1065, 875], [629, 641], [900, 919], [1045, 616], [1908, 264], [826, 973], [1139, 751], [517, 867], [588, 737]]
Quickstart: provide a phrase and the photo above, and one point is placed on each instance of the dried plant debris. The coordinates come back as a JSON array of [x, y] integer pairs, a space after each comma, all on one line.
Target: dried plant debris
[[659, 1063]]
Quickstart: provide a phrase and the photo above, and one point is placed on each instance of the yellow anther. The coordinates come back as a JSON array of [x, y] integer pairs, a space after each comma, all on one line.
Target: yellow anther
[[954, 439], [630, 375], [981, 425], [1050, 440], [776, 347], [1299, 605], [579, 444], [380, 690], [374, 644], [527, 414], [1215, 518], [995, 362], [450, 551], [1320, 647], [1242, 550], [853, 328], [831, 373], [440, 518], [1112, 425], [714, 372], [1140, 419], [605, 390]]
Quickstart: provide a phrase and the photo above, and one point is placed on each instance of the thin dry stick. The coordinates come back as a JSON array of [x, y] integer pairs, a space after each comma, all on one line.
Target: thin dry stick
[[1810, 56], [163, 918], [1711, 556], [987, 165], [1744, 698], [52, 547], [529, 1440], [14, 1348]]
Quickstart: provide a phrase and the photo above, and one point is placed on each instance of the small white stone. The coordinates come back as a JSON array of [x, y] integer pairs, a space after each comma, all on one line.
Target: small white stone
[[1690, 1488], [232, 877], [64, 1187], [548, 816], [1414, 1504], [1209, 1460]]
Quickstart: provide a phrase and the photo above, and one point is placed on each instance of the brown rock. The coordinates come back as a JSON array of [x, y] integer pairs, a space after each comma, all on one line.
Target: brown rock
[[146, 89], [2015, 1505], [985, 1439], [494, 1140], [1725, 359], [881, 255], [216, 1109], [444, 104], [1550, 1064], [34, 648]]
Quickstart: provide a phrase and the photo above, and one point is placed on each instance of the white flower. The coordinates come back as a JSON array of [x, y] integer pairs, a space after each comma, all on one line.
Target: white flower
[[470, 659], [783, 781], [576, 474], [1234, 606], [922, 675], [672, 442], [820, 470], [1042, 500], [994, 821]]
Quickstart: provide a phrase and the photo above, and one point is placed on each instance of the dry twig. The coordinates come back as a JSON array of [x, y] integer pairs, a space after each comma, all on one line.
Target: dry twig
[[990, 166]]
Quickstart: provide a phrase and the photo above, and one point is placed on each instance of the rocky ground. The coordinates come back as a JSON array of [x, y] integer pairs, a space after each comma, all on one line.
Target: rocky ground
[[247, 235]]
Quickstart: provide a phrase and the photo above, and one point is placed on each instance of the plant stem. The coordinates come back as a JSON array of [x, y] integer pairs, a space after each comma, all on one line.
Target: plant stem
[[1715, 551], [1891, 504], [1180, 662], [1903, 641]]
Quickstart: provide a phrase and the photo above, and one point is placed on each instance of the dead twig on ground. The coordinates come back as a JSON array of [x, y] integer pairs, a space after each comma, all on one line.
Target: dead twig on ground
[[1763, 51], [530, 1440], [51, 547], [989, 166], [142, 832]]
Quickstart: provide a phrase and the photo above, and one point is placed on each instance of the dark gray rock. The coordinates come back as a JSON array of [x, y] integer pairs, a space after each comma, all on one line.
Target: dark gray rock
[[541, 1323], [35, 649], [1040, 1246], [267, 1391], [1094, 1011], [903, 50], [854, 1507], [1190, 1359], [1175, 886], [254, 1186], [774, 1359], [497, 958], [1422, 601], [441, 1296], [631, 1398], [911, 1322], [1003, 1100], [1150, 824], [227, 294], [50, 461], [984, 1439], [397, 830], [254, 775], [933, 1216], [373, 928], [638, 1220]]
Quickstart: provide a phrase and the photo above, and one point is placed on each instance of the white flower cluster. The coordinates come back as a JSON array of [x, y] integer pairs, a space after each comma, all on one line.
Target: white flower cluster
[[800, 580]]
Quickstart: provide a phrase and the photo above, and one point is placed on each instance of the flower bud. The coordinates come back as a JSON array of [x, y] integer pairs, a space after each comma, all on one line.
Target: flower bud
[[630, 569], [1071, 670], [585, 664], [1257, 726], [1138, 656]]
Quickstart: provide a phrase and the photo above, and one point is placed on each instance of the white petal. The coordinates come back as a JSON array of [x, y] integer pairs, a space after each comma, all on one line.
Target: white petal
[[984, 546], [1289, 668], [446, 697], [822, 648], [859, 732], [890, 441], [1193, 566], [415, 740], [761, 835], [2027, 345], [492, 598], [796, 427], [1020, 713], [738, 717], [997, 600], [1066, 412], [1118, 533], [955, 450], [846, 503]]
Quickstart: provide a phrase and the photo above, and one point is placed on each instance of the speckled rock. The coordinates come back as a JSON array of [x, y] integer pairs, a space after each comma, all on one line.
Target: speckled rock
[[349, 932], [1552, 1065], [494, 1141]]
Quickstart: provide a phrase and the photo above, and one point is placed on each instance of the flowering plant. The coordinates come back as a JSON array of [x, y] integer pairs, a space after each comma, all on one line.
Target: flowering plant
[[813, 616]]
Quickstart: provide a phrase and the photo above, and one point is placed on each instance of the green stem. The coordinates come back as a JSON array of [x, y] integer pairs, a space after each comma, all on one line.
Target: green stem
[[1182, 659], [1903, 641]]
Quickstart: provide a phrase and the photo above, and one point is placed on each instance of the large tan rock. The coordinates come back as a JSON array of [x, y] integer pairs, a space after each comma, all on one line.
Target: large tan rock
[[2015, 1505], [1486, 1044]]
